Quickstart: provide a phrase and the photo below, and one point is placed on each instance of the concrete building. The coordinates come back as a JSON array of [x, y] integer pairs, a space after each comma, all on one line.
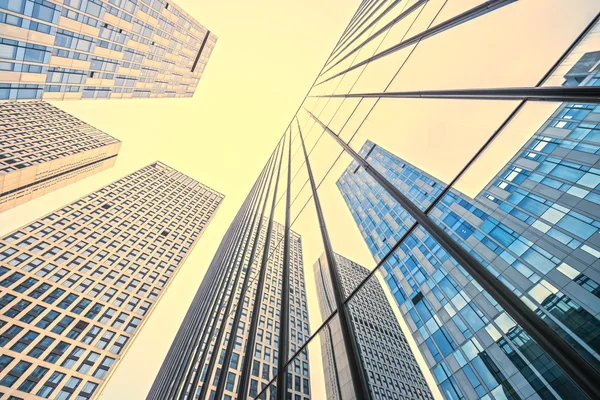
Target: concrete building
[[43, 148], [78, 283], [87, 49], [391, 368], [265, 357]]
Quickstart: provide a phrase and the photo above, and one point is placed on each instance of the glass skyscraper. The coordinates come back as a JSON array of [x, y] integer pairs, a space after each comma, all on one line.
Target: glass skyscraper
[[44, 148], [390, 365], [496, 279], [535, 226], [87, 49], [78, 283]]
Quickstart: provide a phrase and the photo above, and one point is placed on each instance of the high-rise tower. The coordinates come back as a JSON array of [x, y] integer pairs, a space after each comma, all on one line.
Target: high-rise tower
[[44, 149], [378, 334], [78, 283], [87, 49], [265, 354]]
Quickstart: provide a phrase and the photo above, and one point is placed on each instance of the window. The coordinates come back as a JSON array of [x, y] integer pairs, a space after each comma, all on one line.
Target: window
[[73, 357], [41, 347], [87, 391], [13, 375], [105, 340], [33, 313], [52, 297], [4, 361], [40, 290], [17, 308], [77, 330], [51, 384], [91, 335], [103, 367], [24, 341], [117, 347], [68, 389], [133, 324], [62, 324], [33, 379], [57, 352], [9, 334], [47, 319], [88, 363]]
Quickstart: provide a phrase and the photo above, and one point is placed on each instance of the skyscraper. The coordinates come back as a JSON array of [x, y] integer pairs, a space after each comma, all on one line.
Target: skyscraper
[[229, 342], [86, 49], [78, 283], [534, 226], [45, 148], [485, 331], [387, 358], [264, 359]]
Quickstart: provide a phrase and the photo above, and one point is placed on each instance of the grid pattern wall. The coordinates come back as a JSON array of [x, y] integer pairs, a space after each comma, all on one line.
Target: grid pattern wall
[[535, 226], [265, 355], [78, 283], [389, 363], [74, 49], [43, 148], [35, 132]]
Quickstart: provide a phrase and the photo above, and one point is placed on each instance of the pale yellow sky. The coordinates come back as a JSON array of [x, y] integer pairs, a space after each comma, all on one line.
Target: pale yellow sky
[[266, 58]]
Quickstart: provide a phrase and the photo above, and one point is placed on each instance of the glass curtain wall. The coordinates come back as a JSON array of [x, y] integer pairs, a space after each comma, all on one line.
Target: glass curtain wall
[[442, 176]]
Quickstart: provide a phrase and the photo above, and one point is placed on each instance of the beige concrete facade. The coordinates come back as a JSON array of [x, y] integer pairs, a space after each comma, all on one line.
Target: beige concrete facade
[[78, 284], [86, 49], [43, 148]]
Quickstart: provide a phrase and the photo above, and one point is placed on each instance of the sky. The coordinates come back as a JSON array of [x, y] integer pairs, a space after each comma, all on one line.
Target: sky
[[264, 62]]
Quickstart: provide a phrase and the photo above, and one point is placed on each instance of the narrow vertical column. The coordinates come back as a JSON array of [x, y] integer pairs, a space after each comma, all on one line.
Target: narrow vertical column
[[172, 378], [248, 355], [284, 313], [359, 380]]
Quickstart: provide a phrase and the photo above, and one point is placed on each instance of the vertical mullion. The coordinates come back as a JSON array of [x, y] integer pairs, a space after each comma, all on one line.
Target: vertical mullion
[[359, 380], [248, 355], [230, 265], [237, 316], [284, 312]]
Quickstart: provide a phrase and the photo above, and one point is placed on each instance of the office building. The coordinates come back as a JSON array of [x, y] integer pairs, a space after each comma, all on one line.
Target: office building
[[265, 354], [500, 297], [391, 367], [89, 49], [535, 226], [44, 148], [78, 283]]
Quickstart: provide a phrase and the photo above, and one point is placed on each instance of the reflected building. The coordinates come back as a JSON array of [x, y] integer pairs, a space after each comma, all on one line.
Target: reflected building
[[88, 49], [78, 283], [44, 149], [391, 368], [534, 226], [265, 355]]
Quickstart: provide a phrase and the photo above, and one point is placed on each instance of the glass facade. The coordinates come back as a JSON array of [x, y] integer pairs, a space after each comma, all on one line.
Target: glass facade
[[78, 283], [88, 49], [455, 162], [43, 148], [535, 226]]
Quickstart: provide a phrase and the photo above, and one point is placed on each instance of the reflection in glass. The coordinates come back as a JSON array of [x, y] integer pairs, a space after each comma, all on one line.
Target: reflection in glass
[[534, 226], [389, 363]]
